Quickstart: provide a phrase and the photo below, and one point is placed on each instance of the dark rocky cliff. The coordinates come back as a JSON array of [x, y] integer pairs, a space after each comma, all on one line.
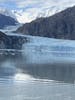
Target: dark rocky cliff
[[6, 21], [60, 25], [11, 41]]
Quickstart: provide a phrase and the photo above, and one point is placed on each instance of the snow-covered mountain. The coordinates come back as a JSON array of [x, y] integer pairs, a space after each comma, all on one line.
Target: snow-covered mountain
[[27, 15], [7, 18], [7, 12]]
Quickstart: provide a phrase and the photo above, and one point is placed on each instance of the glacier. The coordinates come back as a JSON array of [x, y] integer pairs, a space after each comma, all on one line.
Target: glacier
[[42, 49], [49, 50]]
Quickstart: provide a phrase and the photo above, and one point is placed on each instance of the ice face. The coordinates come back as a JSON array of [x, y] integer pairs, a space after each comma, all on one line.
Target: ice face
[[46, 50]]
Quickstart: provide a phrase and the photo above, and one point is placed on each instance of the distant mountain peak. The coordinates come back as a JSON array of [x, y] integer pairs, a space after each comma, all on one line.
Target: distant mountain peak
[[7, 12]]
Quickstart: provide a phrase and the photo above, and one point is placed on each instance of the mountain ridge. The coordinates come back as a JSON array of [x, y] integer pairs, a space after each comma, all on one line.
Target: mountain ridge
[[6, 21], [60, 25]]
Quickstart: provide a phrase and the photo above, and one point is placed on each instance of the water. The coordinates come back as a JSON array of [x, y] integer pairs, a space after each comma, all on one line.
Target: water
[[20, 80]]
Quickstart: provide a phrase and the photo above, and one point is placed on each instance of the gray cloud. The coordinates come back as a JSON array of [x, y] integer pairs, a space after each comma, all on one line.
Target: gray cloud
[[36, 3], [42, 3]]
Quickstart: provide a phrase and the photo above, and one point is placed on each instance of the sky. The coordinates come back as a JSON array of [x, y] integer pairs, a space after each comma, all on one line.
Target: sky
[[29, 4]]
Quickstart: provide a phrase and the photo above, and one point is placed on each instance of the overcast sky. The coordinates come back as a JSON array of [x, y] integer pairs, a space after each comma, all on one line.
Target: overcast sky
[[28, 4]]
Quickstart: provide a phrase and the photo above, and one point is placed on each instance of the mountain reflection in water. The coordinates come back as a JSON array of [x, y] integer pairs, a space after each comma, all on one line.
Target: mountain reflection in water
[[20, 80], [14, 65]]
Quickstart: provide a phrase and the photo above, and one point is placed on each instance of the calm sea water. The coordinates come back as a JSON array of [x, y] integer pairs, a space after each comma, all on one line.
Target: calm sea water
[[20, 80]]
